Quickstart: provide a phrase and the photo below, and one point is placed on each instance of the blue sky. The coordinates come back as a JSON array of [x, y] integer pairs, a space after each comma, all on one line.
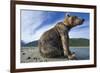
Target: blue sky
[[35, 23]]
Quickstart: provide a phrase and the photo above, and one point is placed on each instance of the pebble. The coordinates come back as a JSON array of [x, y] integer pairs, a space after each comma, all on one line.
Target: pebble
[[23, 53], [29, 58]]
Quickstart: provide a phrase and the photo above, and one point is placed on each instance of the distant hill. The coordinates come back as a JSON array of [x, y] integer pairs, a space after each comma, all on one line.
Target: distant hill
[[23, 43], [74, 42], [34, 43], [79, 42]]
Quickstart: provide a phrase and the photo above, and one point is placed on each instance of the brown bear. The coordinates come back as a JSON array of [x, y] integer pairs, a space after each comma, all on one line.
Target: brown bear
[[55, 42]]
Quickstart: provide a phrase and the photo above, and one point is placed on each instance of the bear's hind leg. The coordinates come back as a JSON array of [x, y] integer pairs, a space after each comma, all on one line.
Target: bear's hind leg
[[50, 52]]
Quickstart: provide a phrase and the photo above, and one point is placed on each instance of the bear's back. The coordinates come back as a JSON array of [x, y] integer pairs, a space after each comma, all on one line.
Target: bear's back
[[51, 34]]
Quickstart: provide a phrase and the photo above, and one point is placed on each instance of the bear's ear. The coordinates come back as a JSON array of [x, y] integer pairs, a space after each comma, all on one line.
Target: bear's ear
[[68, 15]]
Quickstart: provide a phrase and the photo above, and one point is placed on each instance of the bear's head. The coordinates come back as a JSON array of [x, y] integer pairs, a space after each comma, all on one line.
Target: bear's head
[[72, 20]]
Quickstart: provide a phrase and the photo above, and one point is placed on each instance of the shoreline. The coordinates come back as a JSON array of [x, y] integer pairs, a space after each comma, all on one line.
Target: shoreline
[[69, 47], [79, 47]]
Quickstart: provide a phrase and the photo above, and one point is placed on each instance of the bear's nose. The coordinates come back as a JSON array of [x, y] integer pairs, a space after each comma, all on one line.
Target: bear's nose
[[83, 20]]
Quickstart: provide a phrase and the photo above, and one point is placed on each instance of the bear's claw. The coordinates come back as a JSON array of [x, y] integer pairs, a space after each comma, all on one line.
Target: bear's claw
[[72, 57]]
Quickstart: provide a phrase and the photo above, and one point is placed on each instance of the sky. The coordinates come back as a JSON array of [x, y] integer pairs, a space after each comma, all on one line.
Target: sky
[[35, 23]]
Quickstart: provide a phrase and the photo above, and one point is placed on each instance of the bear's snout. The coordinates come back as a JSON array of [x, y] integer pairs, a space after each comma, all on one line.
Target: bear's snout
[[83, 20]]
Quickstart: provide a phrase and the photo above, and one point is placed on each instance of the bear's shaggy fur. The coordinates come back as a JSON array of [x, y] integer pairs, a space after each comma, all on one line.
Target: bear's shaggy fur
[[55, 42]]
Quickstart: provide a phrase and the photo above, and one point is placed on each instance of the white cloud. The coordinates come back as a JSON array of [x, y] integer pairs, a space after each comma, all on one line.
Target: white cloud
[[32, 20], [29, 21], [81, 31], [35, 36]]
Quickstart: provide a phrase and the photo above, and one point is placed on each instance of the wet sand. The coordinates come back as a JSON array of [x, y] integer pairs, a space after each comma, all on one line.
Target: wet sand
[[31, 54]]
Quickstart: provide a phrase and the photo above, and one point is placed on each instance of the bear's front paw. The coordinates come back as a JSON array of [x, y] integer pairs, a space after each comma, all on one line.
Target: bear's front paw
[[72, 56]]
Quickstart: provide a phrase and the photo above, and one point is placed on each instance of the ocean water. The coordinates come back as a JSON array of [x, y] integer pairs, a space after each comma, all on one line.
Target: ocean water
[[81, 53]]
